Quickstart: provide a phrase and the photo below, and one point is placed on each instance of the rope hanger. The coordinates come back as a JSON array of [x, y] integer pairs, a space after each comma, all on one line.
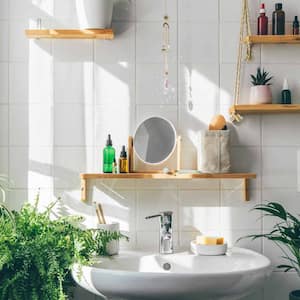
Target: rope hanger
[[245, 30]]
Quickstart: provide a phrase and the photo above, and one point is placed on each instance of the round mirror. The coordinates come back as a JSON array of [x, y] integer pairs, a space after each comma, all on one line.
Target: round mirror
[[154, 140]]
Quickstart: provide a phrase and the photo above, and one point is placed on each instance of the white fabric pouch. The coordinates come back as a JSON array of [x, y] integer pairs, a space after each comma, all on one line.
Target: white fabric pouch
[[214, 151]]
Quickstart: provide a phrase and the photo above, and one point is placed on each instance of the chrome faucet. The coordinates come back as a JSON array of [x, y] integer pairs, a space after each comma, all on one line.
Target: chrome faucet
[[165, 233]]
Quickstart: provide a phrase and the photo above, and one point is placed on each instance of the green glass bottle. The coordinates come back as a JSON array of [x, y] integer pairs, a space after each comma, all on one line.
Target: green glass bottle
[[108, 156]]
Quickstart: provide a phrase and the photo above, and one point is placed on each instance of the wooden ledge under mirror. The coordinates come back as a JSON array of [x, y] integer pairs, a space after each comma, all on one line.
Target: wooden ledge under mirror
[[85, 177]]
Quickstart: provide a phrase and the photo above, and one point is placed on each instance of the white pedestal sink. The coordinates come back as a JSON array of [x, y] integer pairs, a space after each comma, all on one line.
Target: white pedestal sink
[[141, 276]]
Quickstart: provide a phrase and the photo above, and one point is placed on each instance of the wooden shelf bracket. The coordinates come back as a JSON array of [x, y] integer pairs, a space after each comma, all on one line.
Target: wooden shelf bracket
[[84, 189]]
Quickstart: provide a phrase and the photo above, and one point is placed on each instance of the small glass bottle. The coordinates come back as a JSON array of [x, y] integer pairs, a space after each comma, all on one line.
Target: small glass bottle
[[115, 167], [108, 156], [262, 21], [123, 161], [286, 95], [278, 20], [296, 26]]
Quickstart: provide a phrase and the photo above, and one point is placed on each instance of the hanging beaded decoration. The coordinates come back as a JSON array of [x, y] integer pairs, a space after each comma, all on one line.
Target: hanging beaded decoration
[[166, 48]]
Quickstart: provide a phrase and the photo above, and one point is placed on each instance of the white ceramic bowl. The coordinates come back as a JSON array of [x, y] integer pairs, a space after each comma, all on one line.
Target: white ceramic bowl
[[209, 250]]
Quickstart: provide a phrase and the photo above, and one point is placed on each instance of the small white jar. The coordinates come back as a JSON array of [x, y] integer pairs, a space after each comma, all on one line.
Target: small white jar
[[113, 247], [94, 14]]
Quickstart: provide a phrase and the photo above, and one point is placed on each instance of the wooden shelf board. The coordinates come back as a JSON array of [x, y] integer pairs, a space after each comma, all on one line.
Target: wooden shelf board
[[169, 176], [265, 108], [85, 177], [273, 39], [105, 34]]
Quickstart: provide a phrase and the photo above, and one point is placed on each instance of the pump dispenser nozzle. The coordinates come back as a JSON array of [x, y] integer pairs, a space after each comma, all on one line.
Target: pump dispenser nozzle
[[285, 85]]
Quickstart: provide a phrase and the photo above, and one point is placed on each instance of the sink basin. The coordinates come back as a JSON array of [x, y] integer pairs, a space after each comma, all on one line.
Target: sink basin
[[141, 275]]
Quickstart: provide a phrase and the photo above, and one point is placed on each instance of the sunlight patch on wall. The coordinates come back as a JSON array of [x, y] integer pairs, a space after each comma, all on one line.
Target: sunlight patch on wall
[[200, 91], [45, 6], [111, 84], [40, 71]]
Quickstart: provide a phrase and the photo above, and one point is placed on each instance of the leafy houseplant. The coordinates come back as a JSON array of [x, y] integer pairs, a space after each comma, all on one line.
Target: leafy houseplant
[[286, 235], [37, 252], [260, 92]]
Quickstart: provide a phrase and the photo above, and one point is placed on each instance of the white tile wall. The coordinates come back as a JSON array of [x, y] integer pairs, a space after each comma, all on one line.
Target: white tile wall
[[59, 99]]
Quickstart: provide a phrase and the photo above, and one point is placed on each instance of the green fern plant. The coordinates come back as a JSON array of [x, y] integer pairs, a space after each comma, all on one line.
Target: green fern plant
[[285, 234], [261, 78], [37, 252]]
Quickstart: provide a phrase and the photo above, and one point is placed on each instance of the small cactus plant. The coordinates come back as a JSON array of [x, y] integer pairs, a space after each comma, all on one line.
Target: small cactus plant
[[262, 78]]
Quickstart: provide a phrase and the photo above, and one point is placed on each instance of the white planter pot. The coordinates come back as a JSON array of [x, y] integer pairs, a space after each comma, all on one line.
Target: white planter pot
[[112, 247], [94, 14], [260, 94]]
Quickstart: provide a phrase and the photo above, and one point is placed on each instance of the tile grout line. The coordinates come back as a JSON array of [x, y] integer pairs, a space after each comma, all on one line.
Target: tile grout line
[[135, 121], [8, 95]]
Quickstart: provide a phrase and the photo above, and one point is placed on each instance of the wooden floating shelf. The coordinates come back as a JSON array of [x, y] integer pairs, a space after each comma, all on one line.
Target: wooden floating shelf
[[265, 108], [273, 39], [169, 176], [161, 176], [104, 34]]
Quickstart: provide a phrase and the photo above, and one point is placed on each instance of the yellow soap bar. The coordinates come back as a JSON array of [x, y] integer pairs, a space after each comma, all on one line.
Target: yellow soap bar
[[209, 240]]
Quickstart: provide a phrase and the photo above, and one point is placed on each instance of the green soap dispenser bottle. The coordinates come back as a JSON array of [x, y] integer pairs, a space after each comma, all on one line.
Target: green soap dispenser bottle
[[108, 156]]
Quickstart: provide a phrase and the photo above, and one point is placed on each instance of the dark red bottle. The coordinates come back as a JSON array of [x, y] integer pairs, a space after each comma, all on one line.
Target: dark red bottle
[[262, 21]]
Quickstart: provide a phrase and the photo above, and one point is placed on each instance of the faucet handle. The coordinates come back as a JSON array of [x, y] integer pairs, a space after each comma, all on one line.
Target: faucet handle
[[161, 215], [153, 216]]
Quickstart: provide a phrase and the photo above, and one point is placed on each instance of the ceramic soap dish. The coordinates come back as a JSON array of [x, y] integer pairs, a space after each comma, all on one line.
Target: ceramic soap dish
[[209, 250]]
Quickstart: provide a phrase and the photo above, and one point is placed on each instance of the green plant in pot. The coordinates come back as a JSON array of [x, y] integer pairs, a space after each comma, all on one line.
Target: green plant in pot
[[286, 235], [37, 252], [260, 92]]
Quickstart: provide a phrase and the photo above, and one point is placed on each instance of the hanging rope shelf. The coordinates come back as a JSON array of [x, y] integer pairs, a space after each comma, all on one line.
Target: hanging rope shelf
[[246, 41], [245, 30]]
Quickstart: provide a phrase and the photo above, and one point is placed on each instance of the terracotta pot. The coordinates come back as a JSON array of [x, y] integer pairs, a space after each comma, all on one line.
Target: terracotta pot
[[295, 295], [94, 14], [260, 94]]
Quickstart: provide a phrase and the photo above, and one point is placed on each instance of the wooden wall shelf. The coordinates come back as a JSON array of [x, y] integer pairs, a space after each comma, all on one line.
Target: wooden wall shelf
[[161, 176], [265, 108], [273, 39], [104, 34]]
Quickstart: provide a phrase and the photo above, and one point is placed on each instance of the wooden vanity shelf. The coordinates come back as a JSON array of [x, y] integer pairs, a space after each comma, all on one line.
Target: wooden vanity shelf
[[103, 34], [272, 39], [265, 108], [161, 176]]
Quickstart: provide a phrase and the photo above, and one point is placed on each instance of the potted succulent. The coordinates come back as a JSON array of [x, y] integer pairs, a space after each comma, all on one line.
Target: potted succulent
[[260, 92], [94, 14], [286, 235]]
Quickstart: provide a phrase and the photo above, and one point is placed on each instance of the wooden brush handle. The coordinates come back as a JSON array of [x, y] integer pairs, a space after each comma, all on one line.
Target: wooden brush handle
[[99, 210]]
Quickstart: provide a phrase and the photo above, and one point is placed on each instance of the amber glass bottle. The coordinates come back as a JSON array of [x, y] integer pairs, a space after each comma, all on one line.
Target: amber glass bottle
[[278, 20], [123, 161]]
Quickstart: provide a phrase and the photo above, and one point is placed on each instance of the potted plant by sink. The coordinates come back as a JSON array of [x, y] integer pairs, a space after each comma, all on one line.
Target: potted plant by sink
[[286, 235], [260, 92], [37, 252], [94, 14]]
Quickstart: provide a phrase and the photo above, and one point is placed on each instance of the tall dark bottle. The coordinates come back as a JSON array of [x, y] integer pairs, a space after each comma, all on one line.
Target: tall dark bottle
[[278, 20], [262, 21]]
